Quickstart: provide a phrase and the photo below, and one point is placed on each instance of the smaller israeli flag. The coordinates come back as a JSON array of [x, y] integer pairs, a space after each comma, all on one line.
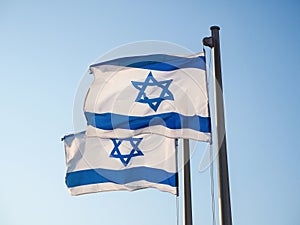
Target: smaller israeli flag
[[97, 165]]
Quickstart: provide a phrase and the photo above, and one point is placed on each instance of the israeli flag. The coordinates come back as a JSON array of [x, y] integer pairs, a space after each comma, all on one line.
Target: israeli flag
[[157, 94], [97, 165]]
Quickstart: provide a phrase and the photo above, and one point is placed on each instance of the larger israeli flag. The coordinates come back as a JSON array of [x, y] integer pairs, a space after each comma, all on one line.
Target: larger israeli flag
[[96, 165], [160, 94]]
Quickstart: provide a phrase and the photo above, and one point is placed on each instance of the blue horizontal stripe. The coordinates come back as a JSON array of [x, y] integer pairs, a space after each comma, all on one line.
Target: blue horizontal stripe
[[159, 62], [97, 176], [171, 120]]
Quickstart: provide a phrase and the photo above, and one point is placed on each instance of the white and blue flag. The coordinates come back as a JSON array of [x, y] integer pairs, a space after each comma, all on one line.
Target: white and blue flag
[[96, 165], [158, 94]]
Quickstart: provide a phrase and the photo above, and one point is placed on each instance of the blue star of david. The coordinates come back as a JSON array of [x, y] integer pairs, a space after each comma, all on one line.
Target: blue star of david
[[152, 82], [125, 158]]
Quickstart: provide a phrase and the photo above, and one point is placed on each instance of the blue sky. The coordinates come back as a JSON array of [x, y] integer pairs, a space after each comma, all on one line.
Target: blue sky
[[45, 49]]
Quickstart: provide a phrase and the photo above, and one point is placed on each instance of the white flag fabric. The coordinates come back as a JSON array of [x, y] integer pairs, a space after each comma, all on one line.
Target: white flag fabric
[[160, 94], [96, 165]]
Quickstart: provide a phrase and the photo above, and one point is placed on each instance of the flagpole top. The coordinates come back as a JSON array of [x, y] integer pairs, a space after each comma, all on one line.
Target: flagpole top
[[214, 28]]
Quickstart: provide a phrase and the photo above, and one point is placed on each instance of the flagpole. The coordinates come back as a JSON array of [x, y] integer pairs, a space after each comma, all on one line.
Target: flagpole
[[223, 176], [188, 217]]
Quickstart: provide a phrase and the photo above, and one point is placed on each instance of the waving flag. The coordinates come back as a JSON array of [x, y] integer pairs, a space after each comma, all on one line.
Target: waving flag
[[96, 165], [160, 94]]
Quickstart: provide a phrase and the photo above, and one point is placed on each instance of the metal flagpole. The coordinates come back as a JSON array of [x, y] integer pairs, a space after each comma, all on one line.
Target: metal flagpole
[[224, 192], [188, 217]]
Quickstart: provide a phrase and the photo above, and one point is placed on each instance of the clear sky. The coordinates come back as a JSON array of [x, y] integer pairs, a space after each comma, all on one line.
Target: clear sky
[[45, 49]]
